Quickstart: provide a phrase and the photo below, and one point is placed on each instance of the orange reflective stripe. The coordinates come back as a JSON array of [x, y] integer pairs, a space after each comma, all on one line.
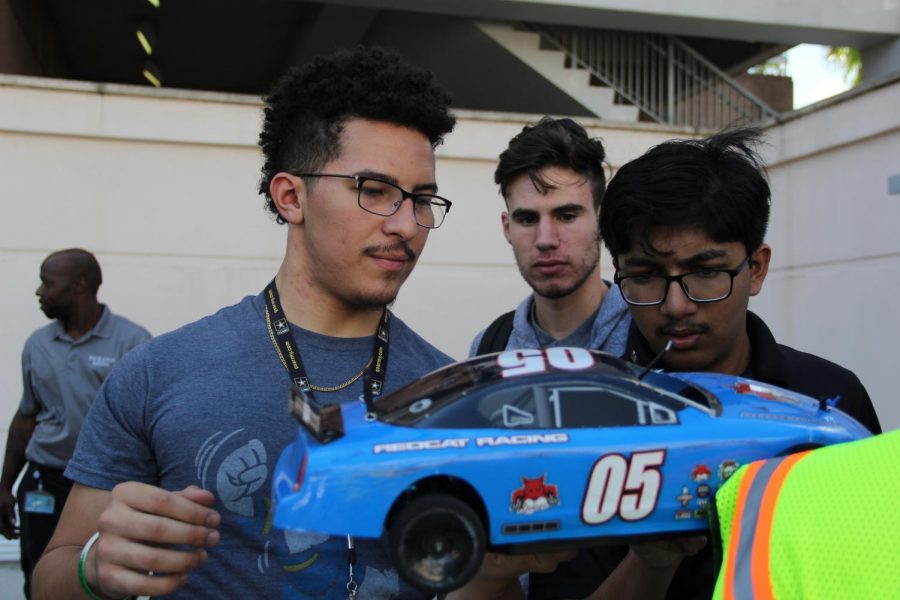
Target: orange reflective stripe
[[734, 535], [759, 563]]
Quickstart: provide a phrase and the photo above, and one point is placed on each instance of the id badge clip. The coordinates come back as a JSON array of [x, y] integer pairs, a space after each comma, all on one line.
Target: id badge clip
[[39, 502]]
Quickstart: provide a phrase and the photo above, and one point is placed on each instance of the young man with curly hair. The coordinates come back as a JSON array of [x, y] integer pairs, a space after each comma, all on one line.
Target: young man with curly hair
[[174, 465]]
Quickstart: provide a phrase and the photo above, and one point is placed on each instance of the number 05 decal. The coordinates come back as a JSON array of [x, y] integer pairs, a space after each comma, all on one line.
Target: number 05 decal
[[621, 487]]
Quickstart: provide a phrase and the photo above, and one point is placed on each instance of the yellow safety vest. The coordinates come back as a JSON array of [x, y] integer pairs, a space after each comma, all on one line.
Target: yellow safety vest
[[819, 524]]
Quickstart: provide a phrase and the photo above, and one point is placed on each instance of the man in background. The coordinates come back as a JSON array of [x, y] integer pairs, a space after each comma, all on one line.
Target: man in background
[[63, 365], [551, 178]]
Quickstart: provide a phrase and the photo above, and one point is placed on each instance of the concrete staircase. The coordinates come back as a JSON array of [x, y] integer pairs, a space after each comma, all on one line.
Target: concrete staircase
[[551, 64]]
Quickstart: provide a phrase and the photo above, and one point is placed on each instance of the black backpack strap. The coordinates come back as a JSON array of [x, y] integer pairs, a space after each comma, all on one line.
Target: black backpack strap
[[497, 334]]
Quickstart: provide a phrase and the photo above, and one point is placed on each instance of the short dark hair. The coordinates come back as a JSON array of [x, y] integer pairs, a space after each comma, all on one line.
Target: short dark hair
[[305, 113], [718, 184], [81, 264], [553, 143]]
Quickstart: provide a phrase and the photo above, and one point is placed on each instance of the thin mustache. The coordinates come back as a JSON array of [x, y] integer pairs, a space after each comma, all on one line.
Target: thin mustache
[[390, 249], [682, 328]]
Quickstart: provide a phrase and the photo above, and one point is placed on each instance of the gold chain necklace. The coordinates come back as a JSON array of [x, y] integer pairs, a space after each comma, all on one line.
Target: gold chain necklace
[[317, 388], [340, 386]]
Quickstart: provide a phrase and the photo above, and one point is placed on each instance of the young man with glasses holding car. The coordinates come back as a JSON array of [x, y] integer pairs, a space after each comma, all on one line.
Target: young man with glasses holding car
[[174, 465], [685, 225]]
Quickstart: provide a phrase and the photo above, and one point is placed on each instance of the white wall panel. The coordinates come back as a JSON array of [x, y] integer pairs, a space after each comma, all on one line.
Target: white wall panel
[[835, 275], [846, 313]]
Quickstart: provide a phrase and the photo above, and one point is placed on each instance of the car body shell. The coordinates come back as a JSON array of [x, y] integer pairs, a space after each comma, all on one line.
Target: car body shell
[[554, 448]]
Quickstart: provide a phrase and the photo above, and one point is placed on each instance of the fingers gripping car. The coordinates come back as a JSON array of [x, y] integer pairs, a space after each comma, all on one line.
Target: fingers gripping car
[[533, 450]]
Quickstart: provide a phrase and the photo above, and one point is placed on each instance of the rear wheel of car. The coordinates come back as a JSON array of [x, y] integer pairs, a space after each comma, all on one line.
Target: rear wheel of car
[[437, 542]]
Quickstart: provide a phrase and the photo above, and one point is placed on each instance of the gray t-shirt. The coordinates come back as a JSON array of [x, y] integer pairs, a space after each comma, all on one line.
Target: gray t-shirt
[[608, 330], [60, 379], [579, 338], [207, 405]]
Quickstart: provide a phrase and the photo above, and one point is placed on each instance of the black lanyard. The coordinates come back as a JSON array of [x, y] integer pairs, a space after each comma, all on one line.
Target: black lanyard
[[283, 340]]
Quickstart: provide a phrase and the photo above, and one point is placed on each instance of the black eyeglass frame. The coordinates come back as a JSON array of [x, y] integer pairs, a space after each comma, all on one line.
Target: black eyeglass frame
[[618, 279], [361, 179]]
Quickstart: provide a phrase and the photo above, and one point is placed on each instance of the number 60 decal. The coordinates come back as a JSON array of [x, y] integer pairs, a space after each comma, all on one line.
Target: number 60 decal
[[621, 487], [525, 362]]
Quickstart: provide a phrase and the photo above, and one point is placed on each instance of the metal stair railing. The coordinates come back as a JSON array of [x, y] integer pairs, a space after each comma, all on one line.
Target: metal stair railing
[[661, 75]]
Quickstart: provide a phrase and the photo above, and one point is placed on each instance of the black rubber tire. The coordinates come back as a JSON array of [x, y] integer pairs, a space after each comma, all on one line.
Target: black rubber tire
[[437, 543]]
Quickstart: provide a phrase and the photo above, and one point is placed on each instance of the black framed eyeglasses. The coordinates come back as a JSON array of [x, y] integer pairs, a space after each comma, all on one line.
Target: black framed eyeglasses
[[706, 285], [384, 198]]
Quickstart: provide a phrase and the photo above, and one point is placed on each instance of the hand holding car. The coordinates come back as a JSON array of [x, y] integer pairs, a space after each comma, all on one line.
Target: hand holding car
[[647, 569], [498, 578], [667, 553]]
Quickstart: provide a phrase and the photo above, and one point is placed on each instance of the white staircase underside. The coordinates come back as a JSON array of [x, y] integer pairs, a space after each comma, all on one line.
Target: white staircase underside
[[550, 64]]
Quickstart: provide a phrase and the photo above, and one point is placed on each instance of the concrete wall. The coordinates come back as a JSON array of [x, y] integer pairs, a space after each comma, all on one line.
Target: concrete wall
[[775, 90], [161, 186], [835, 282]]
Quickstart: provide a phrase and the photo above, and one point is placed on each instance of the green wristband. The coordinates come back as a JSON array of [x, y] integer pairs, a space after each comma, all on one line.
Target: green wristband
[[82, 578], [81, 560]]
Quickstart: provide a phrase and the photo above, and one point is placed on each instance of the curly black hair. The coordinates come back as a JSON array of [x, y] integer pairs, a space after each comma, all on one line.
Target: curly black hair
[[305, 113], [717, 184], [552, 143]]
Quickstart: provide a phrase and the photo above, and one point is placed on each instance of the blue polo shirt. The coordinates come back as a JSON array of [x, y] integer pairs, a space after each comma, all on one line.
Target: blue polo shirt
[[61, 376]]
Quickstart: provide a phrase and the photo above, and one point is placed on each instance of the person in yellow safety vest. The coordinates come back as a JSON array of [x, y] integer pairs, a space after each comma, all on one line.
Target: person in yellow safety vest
[[818, 524]]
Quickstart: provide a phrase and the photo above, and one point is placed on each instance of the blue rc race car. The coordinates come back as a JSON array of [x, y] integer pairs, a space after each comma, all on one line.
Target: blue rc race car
[[533, 450]]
